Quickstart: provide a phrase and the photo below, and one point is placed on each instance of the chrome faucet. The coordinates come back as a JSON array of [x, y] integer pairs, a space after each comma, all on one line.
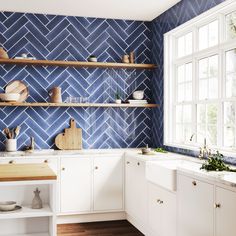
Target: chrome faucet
[[204, 152]]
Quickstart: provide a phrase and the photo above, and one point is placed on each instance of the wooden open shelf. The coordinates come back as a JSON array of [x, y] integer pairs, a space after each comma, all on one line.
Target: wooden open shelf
[[77, 64], [44, 104]]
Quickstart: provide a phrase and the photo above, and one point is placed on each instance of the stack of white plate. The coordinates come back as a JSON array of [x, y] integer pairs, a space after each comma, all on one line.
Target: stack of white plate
[[138, 102]]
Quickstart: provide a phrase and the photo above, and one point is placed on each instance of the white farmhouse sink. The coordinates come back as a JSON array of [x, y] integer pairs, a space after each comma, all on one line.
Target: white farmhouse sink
[[163, 172]]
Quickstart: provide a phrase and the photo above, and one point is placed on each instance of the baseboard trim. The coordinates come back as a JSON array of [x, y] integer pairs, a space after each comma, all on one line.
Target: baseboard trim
[[72, 219]]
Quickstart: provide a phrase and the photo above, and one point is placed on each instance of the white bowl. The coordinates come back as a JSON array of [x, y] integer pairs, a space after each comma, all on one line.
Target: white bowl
[[138, 95], [9, 97], [7, 206]]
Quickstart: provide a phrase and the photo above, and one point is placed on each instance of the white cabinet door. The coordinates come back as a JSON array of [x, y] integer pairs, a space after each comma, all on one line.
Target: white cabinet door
[[225, 212], [169, 213], [162, 218], [129, 180], [75, 184], [195, 207], [108, 183], [136, 190]]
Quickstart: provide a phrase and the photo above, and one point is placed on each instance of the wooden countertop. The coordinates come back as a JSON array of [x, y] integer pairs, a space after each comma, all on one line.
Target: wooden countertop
[[26, 172]]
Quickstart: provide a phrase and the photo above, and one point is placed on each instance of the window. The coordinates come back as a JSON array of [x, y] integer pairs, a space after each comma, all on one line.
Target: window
[[200, 81]]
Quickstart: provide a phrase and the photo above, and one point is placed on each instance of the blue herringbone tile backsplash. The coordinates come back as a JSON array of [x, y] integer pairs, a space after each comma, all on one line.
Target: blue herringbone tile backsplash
[[75, 38]]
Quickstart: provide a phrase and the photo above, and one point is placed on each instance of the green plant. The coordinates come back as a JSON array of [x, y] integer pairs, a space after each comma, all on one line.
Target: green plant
[[159, 149], [215, 163], [117, 96]]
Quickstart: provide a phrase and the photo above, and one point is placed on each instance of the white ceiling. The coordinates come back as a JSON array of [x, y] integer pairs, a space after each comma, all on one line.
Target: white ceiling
[[145, 10]]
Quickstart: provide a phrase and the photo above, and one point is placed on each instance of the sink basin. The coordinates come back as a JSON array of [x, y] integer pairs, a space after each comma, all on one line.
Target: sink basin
[[163, 173]]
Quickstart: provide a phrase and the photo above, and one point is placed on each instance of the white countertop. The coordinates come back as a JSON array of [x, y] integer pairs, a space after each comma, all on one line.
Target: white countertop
[[223, 177]]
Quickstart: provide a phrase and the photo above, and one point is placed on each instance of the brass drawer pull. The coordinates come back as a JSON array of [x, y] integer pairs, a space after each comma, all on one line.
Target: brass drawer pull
[[46, 161], [194, 183], [96, 167], [11, 162], [63, 168], [127, 162], [138, 164], [217, 205]]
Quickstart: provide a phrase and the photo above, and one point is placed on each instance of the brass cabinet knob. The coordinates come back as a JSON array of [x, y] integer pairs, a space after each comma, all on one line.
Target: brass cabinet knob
[[194, 183], [160, 201], [138, 163], [96, 167], [45, 161], [11, 162], [127, 162], [63, 168], [217, 205]]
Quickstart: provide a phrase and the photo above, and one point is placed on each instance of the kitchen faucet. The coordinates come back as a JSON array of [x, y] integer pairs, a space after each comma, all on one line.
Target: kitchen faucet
[[204, 152]]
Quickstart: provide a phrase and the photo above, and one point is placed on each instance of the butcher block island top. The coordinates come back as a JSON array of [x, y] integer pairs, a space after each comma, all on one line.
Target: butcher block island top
[[26, 172]]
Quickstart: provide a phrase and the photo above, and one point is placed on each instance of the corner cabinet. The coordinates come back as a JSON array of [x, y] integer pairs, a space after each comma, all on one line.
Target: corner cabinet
[[91, 184]]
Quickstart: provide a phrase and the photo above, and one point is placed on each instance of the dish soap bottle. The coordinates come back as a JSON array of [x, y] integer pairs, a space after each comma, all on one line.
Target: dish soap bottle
[[37, 201]]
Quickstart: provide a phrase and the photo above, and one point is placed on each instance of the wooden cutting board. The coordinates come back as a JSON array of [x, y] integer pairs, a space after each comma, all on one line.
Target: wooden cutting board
[[17, 86], [71, 139]]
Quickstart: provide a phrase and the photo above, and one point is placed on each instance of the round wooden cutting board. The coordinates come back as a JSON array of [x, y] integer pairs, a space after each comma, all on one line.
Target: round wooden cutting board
[[18, 86]]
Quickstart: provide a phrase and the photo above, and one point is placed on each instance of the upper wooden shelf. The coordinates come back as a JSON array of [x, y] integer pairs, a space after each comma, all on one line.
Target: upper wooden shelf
[[77, 64], [44, 104]]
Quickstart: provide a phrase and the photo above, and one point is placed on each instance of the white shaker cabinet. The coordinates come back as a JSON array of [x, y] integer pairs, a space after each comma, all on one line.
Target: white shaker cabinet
[[76, 176], [136, 192], [161, 211], [108, 183], [225, 210], [195, 207]]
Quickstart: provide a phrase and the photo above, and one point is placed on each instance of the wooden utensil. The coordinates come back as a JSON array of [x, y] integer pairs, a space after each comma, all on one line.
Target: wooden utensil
[[7, 132], [17, 131], [71, 139], [18, 86]]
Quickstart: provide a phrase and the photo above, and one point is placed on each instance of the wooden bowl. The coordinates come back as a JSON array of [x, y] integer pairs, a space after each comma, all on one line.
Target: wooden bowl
[[9, 97]]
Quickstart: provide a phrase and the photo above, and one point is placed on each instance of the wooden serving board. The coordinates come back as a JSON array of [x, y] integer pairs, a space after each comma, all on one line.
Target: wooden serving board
[[26, 172], [71, 139], [17, 86]]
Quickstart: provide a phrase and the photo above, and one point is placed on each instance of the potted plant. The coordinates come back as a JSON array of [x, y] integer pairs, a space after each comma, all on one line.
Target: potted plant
[[117, 97]]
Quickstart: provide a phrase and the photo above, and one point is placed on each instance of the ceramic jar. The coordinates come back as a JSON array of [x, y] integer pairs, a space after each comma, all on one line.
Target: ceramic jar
[[55, 95], [11, 145]]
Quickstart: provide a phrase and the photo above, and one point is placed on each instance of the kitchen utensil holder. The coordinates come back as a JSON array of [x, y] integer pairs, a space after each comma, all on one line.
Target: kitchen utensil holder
[[11, 145]]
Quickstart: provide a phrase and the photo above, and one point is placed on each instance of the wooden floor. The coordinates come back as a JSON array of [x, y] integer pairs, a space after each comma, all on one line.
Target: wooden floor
[[108, 228]]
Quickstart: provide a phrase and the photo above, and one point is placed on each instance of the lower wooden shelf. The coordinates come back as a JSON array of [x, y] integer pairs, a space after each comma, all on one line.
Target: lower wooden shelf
[[44, 104]]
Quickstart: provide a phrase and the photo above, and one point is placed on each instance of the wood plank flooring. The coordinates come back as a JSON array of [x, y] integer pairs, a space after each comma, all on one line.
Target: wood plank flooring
[[108, 228]]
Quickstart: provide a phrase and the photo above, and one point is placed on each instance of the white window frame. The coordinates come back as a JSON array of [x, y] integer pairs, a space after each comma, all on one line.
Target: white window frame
[[170, 61]]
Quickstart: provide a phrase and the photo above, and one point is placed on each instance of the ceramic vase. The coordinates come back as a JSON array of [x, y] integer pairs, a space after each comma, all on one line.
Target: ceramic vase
[[37, 201]]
